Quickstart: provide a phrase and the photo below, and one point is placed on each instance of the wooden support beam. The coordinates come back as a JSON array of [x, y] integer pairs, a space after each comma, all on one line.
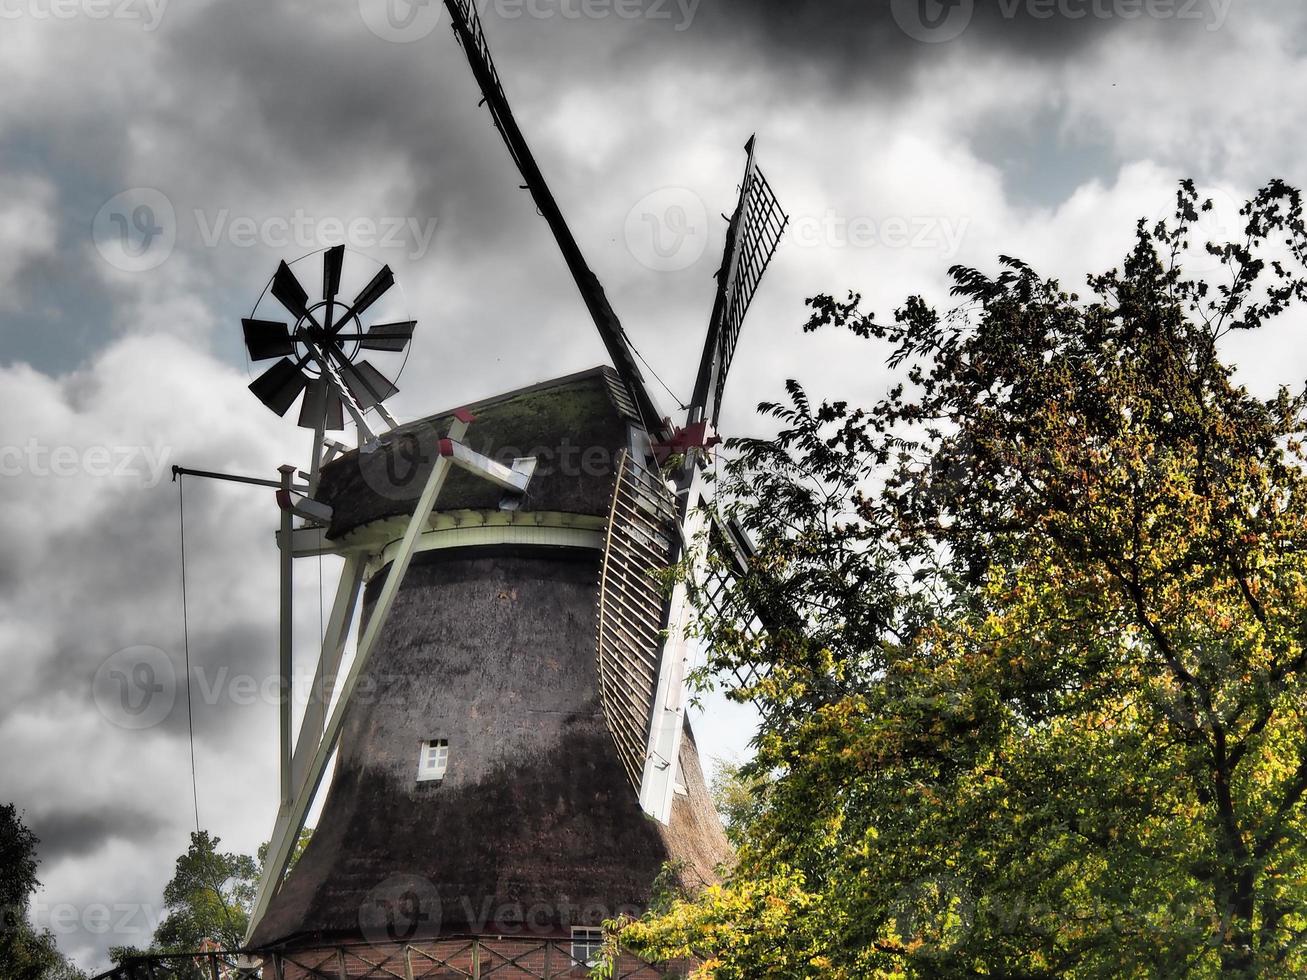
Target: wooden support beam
[[667, 721], [324, 678], [291, 821]]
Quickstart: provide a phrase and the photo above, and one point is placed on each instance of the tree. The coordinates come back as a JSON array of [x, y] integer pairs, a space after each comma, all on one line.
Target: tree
[[1041, 711], [25, 953], [209, 899], [734, 795]]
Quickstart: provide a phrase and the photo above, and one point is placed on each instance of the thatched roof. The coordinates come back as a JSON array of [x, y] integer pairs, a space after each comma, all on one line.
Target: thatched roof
[[575, 424]]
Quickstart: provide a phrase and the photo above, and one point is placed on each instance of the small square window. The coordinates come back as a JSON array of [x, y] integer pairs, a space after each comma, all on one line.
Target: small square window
[[433, 760], [587, 943]]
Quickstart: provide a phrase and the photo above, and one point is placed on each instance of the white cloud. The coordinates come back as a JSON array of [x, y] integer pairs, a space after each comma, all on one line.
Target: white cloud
[[28, 229]]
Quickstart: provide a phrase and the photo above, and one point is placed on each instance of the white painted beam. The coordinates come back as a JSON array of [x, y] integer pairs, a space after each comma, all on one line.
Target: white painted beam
[[324, 678], [291, 820], [667, 722]]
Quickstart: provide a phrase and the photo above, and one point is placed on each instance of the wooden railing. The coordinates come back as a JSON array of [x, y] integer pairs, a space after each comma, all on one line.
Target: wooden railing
[[447, 958]]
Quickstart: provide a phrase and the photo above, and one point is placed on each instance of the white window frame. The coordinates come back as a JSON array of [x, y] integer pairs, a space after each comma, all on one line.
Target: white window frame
[[433, 760], [587, 943]]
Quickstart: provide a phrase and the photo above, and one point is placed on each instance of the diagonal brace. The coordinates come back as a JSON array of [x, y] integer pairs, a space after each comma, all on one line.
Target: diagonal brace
[[290, 821]]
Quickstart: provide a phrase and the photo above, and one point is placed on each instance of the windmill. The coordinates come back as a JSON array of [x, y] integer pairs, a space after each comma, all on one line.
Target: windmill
[[512, 761]]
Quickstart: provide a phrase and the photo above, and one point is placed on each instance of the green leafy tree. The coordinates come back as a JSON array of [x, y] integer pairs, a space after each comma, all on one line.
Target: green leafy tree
[[208, 901], [209, 897], [25, 952], [1033, 693], [736, 796]]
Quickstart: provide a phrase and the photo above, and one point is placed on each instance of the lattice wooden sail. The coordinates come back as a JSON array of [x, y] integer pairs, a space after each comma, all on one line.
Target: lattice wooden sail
[[632, 606], [716, 595], [761, 224]]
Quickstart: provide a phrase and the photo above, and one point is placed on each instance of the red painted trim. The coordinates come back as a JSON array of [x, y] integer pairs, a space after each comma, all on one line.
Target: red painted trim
[[463, 415], [446, 447], [283, 499]]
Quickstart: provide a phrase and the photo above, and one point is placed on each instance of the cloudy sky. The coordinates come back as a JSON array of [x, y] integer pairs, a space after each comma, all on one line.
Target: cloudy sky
[[157, 160]]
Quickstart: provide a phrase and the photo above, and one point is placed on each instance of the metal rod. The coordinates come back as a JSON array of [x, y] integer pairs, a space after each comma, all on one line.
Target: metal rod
[[286, 643], [230, 477]]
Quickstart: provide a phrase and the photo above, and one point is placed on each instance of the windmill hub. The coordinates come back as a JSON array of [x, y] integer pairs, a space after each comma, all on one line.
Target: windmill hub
[[321, 324]]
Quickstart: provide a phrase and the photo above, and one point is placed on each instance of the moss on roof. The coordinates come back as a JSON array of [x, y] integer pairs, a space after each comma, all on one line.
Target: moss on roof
[[573, 425]]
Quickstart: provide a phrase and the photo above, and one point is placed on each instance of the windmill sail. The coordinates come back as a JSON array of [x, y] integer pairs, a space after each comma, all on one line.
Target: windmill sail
[[754, 232], [637, 545], [467, 26]]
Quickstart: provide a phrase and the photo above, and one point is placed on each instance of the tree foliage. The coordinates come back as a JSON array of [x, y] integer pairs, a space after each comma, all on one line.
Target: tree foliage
[[1033, 683], [208, 901], [25, 952]]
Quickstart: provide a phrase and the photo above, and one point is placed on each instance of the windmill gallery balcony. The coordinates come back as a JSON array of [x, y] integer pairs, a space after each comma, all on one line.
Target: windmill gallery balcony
[[448, 958]]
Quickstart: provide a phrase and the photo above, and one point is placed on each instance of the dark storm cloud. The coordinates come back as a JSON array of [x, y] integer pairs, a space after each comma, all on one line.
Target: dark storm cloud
[[330, 103], [72, 833], [884, 41]]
